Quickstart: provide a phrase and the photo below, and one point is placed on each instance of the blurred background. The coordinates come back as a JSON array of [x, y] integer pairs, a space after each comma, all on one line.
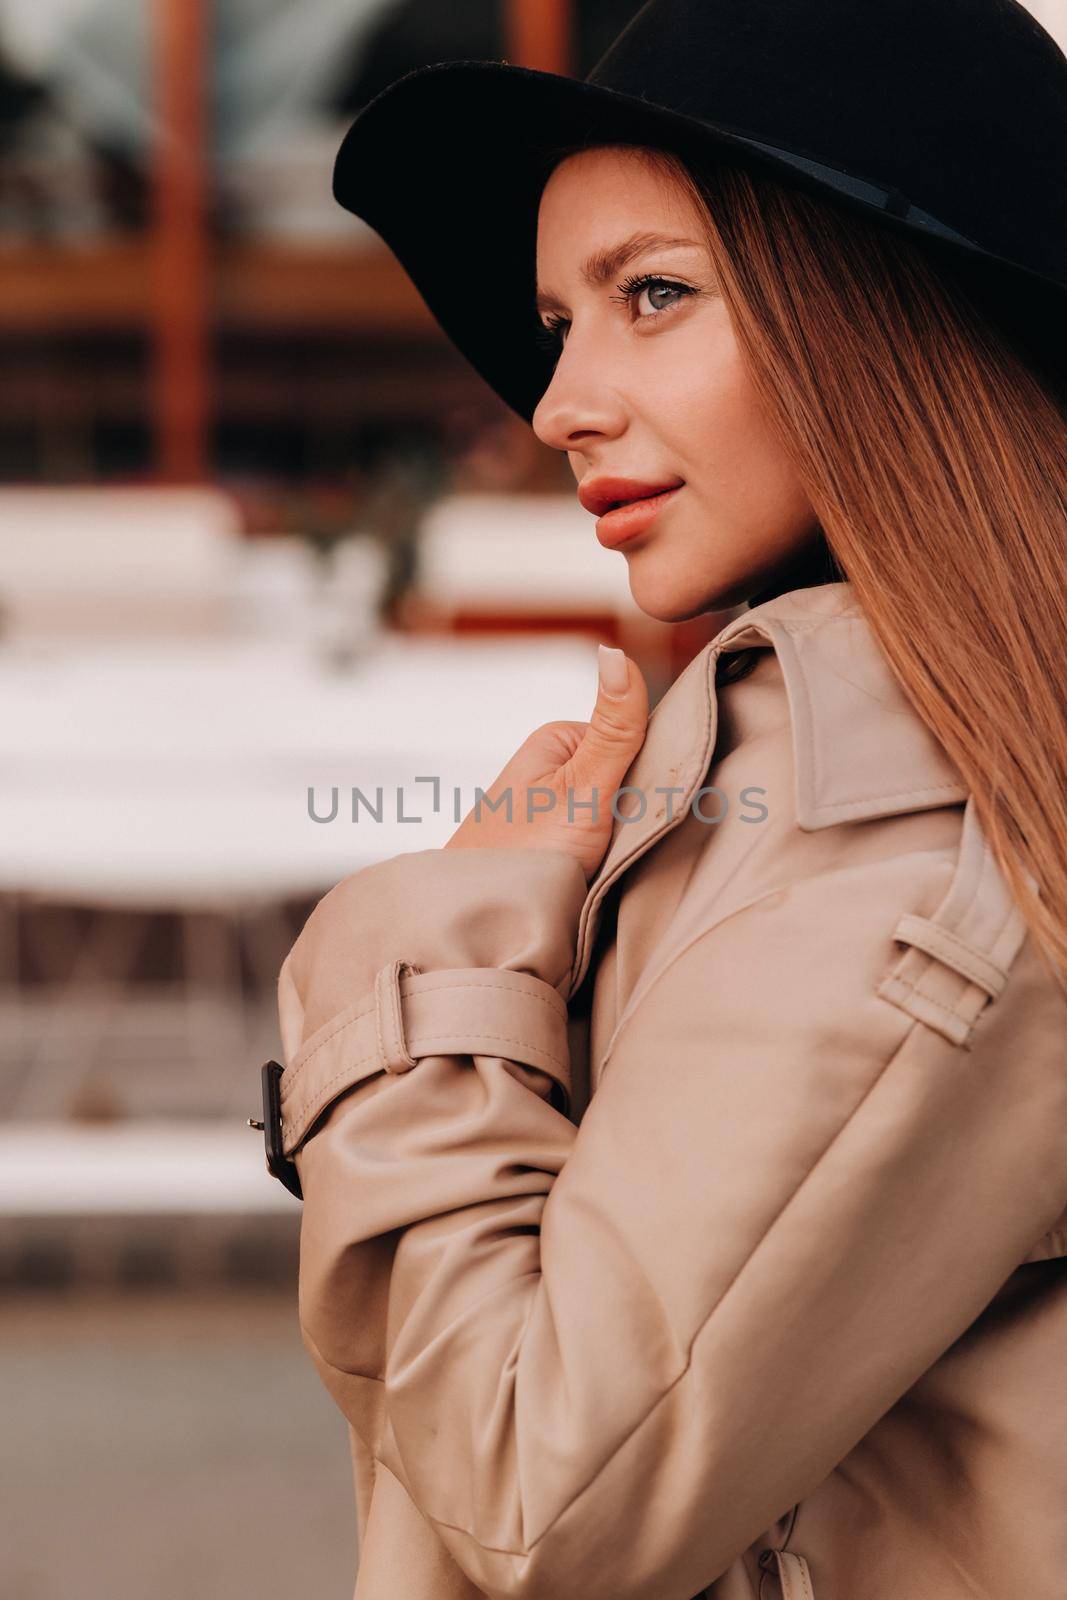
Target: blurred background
[[265, 541]]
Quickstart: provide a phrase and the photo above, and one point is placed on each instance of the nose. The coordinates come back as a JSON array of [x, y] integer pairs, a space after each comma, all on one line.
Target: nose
[[580, 404]]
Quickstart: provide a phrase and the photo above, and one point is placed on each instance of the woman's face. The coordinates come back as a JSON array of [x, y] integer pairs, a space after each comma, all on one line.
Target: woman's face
[[650, 387]]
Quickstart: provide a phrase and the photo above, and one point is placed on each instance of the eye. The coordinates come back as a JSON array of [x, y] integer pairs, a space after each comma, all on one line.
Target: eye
[[550, 333], [647, 291]]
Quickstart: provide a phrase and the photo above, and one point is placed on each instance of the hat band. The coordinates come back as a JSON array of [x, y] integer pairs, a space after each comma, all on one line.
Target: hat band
[[889, 200]]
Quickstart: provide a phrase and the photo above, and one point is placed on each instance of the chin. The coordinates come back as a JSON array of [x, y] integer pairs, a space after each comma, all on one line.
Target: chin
[[664, 606], [666, 596]]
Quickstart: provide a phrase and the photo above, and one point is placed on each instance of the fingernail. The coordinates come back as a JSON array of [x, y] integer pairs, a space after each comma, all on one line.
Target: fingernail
[[614, 671]]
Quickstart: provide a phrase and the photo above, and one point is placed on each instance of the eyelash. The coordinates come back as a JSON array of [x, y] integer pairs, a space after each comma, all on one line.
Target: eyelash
[[549, 333], [631, 287]]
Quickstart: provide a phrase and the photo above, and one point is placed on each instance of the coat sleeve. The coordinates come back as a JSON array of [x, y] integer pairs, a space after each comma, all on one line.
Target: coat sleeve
[[613, 1354]]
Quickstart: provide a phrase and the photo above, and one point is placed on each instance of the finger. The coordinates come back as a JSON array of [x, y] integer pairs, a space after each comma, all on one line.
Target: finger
[[617, 727]]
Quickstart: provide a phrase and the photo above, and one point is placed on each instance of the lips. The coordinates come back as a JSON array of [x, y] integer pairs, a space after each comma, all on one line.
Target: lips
[[601, 495]]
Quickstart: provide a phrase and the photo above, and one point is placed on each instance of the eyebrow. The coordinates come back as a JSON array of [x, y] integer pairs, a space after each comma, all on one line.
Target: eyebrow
[[603, 265]]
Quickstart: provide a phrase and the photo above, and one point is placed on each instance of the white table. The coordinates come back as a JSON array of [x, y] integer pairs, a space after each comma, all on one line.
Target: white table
[[145, 1168], [176, 775], [163, 775]]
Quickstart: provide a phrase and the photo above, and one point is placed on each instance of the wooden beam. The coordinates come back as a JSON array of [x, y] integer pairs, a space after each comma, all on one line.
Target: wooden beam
[[109, 286], [539, 34], [180, 276]]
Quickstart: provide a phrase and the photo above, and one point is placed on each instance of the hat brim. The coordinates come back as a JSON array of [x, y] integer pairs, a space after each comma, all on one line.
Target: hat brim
[[448, 164]]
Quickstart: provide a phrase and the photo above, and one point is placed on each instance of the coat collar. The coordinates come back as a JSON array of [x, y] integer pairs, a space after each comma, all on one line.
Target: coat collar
[[859, 749]]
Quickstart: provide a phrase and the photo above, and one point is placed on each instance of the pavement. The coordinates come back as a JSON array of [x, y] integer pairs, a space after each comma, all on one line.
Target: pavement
[[170, 1445]]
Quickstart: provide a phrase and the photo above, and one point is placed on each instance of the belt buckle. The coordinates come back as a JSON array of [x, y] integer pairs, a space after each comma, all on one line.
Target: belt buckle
[[278, 1164]]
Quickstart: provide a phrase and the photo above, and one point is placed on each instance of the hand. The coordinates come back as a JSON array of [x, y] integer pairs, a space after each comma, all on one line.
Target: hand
[[579, 760]]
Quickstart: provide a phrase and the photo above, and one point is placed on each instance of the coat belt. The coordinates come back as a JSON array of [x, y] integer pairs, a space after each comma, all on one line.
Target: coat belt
[[793, 1575], [794, 1579]]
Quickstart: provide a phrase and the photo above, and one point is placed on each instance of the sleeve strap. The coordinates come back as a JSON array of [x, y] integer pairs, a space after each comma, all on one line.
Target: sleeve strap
[[486, 1011]]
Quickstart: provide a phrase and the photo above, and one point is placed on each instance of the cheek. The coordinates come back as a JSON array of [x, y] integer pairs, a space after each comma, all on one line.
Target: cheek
[[706, 409], [744, 486]]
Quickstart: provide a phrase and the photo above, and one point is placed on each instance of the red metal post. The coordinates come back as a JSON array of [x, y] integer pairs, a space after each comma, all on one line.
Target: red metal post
[[180, 251], [539, 33]]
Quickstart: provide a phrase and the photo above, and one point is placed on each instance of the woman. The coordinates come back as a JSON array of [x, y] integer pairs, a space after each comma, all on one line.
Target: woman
[[685, 1176]]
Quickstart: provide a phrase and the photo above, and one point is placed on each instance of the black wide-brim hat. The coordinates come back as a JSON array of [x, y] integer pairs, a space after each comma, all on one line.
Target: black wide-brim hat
[[944, 119]]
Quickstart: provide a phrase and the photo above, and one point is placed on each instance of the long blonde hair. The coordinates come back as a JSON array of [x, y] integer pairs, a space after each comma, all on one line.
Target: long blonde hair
[[933, 450]]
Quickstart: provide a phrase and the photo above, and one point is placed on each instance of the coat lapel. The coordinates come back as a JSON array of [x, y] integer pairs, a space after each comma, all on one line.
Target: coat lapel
[[859, 749]]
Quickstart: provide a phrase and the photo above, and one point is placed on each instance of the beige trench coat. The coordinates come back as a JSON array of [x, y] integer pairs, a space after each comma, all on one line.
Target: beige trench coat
[[702, 1227]]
